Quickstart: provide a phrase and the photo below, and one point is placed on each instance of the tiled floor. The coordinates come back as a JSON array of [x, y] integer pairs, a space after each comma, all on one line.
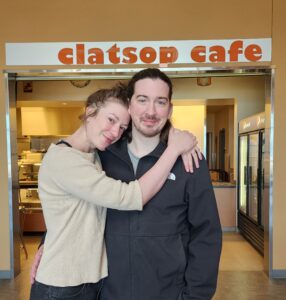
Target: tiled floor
[[241, 275], [19, 288]]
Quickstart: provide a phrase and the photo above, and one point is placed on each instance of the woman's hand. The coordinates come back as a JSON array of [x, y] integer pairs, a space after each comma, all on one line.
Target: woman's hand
[[190, 157], [181, 141], [185, 143], [35, 264]]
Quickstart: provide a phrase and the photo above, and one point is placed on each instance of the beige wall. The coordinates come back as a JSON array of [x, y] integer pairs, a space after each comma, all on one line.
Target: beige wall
[[4, 205], [55, 21], [50, 121], [191, 117], [279, 203]]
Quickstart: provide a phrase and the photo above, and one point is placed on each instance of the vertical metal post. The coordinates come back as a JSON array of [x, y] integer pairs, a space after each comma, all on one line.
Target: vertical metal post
[[11, 127]]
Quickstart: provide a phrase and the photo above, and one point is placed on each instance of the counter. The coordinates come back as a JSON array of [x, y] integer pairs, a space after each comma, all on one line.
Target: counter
[[31, 214], [225, 193]]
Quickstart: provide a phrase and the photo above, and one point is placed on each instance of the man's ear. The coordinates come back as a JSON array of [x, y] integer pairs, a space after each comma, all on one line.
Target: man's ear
[[170, 110]]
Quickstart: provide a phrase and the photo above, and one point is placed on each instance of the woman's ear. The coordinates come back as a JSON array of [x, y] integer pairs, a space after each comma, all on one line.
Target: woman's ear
[[89, 110]]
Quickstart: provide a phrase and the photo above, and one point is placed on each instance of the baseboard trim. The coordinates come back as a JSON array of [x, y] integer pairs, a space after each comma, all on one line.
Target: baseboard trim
[[278, 274], [229, 229], [5, 275]]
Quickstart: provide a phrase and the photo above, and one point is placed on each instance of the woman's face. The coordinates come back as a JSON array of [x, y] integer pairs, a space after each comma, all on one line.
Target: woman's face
[[107, 126]]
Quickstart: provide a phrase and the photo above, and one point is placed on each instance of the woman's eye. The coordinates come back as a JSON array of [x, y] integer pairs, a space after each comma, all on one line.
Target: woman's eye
[[111, 120], [123, 128], [142, 100]]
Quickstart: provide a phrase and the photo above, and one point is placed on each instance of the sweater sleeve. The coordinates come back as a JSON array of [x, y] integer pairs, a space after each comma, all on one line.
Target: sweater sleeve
[[205, 243], [74, 174]]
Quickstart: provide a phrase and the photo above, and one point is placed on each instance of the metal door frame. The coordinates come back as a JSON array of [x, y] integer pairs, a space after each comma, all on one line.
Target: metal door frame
[[118, 73]]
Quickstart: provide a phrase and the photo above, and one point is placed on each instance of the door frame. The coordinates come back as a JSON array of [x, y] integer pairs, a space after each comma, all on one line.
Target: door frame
[[89, 74]]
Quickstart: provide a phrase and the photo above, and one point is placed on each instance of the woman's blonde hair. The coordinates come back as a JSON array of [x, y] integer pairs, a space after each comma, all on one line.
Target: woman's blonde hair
[[96, 100]]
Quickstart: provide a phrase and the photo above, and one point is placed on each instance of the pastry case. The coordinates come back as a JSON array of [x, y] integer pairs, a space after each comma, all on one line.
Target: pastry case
[[31, 215]]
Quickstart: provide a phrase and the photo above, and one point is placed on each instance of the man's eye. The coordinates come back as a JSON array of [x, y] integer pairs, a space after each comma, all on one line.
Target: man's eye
[[111, 120], [162, 102], [123, 128]]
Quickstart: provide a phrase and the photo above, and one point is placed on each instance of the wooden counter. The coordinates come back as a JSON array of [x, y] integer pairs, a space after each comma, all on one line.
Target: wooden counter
[[225, 193]]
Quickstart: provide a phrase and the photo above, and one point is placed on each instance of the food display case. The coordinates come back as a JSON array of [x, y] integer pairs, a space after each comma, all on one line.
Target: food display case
[[31, 215]]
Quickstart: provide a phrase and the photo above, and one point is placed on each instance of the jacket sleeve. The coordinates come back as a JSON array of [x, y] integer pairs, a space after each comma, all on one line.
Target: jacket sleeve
[[204, 247]]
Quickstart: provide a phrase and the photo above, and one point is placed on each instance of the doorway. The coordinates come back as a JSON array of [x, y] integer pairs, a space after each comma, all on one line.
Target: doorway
[[178, 77]]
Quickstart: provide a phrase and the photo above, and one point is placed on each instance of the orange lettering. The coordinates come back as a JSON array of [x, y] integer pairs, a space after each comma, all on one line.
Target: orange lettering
[[234, 50], [198, 54], [148, 55], [217, 54], [112, 53], [253, 52], [65, 56], [97, 56], [80, 54], [130, 53], [168, 55]]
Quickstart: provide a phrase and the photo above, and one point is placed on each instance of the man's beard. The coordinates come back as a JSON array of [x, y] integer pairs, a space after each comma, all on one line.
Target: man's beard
[[144, 129]]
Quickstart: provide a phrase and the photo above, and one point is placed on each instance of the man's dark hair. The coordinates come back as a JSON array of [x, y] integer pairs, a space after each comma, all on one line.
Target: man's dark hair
[[151, 73]]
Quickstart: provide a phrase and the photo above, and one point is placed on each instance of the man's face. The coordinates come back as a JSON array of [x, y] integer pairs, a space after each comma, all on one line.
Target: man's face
[[150, 106]]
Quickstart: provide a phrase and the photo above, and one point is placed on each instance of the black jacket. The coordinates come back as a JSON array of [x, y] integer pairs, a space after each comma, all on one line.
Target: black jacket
[[171, 249]]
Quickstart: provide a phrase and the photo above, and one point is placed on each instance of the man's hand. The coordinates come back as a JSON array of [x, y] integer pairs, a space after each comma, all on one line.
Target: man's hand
[[35, 264], [190, 156]]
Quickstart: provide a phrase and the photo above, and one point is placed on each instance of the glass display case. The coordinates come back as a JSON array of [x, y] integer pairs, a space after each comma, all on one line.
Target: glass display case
[[31, 215], [251, 180]]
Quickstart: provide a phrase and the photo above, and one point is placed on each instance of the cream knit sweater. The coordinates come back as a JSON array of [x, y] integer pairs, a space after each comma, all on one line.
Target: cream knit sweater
[[74, 193]]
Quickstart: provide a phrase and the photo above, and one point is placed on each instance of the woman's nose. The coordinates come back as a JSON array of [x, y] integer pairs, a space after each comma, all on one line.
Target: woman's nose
[[115, 131]]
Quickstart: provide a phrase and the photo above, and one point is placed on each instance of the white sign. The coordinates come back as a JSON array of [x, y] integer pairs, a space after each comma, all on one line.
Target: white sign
[[144, 52]]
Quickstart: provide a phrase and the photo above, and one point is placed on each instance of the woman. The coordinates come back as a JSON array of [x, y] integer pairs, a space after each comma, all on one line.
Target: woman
[[75, 193]]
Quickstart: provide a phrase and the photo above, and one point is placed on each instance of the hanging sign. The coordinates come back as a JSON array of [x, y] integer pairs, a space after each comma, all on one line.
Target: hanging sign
[[145, 52]]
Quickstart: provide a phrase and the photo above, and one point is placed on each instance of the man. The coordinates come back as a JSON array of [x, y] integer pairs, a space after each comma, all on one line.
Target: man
[[170, 250]]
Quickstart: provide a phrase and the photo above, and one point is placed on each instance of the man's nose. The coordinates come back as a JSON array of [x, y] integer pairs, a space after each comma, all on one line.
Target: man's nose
[[151, 109]]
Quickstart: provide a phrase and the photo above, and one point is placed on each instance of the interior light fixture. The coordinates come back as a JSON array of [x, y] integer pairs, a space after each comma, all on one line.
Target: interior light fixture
[[80, 83], [204, 81]]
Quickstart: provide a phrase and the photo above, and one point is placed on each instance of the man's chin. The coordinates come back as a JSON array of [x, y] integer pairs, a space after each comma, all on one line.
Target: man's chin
[[150, 133]]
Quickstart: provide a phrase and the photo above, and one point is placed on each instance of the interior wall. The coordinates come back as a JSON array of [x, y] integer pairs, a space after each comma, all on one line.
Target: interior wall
[[5, 265], [58, 21], [192, 118], [249, 92], [231, 118], [70, 21], [49, 121], [279, 145]]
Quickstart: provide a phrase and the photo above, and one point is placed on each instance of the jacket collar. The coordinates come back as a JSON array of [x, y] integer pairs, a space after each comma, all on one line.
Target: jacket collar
[[120, 149]]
